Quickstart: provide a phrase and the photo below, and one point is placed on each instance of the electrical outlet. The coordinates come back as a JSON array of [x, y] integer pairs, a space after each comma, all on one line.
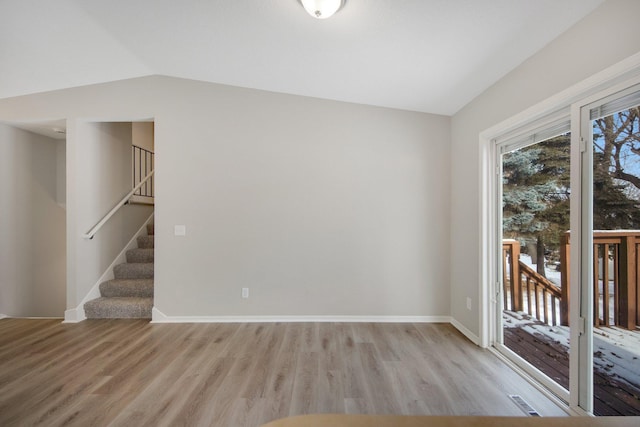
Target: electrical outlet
[[245, 292], [180, 230], [468, 303]]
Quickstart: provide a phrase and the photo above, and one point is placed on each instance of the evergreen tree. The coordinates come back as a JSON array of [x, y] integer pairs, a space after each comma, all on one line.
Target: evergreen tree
[[536, 195], [536, 185]]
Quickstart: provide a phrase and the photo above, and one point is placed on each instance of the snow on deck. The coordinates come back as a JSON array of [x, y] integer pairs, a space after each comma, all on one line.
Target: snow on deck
[[616, 350]]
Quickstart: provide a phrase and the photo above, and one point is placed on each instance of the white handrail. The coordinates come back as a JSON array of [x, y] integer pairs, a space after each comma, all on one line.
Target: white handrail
[[125, 199]]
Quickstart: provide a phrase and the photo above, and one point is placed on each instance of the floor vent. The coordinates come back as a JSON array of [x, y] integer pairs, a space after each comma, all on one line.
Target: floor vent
[[522, 404]]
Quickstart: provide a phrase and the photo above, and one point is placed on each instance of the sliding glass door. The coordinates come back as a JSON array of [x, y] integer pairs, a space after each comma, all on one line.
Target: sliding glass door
[[567, 286], [613, 131], [535, 194]]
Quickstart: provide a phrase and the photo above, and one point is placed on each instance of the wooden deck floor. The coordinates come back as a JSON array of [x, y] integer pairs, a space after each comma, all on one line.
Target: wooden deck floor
[[611, 396]]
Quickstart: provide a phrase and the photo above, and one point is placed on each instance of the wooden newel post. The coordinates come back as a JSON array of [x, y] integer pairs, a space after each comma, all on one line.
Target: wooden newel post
[[516, 287], [511, 259], [627, 287], [564, 278]]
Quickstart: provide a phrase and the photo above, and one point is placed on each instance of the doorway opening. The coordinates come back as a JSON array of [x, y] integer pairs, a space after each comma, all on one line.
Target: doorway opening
[[33, 225]]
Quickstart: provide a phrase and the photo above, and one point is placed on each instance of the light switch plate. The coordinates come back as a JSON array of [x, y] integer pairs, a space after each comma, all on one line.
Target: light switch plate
[[180, 230]]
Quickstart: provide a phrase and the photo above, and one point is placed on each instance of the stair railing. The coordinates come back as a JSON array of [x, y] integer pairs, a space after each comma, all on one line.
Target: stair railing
[[121, 203], [521, 281], [142, 164], [541, 294]]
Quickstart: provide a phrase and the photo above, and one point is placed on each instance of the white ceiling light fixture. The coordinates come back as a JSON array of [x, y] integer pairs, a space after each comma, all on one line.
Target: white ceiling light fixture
[[322, 9]]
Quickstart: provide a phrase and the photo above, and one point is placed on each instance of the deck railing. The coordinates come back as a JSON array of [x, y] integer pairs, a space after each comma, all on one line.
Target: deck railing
[[528, 291], [616, 281]]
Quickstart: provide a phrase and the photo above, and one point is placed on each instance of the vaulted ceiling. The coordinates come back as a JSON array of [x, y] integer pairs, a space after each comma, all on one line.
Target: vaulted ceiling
[[423, 55]]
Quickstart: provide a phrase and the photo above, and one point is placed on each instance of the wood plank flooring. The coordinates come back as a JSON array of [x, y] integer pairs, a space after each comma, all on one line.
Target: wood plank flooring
[[131, 372]]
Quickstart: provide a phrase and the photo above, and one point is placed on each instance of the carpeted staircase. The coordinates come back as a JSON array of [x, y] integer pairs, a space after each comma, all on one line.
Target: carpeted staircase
[[130, 293]]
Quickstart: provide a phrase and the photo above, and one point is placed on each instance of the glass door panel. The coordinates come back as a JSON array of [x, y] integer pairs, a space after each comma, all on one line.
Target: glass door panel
[[616, 251], [535, 242]]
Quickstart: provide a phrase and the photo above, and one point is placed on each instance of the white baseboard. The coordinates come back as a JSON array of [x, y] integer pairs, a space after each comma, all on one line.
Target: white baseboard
[[160, 317], [466, 332], [75, 315], [4, 316], [38, 317]]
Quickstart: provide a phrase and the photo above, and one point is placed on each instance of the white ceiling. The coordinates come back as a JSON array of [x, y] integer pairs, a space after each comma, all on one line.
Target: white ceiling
[[423, 55]]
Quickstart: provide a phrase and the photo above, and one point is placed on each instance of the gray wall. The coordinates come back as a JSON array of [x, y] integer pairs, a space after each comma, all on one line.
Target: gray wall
[[608, 35], [319, 207], [142, 135], [32, 225]]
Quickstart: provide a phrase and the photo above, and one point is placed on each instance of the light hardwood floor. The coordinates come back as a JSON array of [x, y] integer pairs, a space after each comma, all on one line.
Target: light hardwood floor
[[132, 373]]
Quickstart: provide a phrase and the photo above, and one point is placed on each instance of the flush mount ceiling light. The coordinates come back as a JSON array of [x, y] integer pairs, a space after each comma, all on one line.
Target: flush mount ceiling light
[[322, 9]]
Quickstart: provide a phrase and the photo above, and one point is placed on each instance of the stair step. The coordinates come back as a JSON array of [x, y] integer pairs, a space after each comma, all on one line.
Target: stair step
[[127, 288], [140, 255], [119, 308], [145, 242], [133, 271], [130, 294]]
